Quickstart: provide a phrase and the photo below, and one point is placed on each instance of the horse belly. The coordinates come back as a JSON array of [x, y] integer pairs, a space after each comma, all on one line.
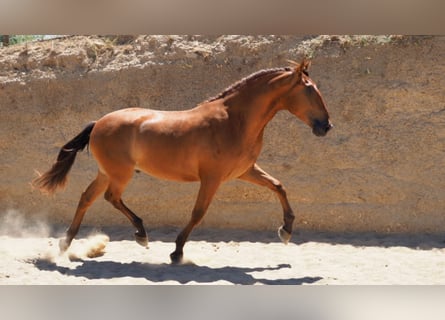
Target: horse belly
[[167, 171], [166, 160]]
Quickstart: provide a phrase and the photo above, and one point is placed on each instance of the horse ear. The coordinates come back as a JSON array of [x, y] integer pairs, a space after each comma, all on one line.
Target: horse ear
[[305, 65], [302, 66], [293, 63]]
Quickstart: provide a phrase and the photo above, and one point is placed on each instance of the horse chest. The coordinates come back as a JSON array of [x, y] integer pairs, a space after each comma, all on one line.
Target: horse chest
[[236, 160]]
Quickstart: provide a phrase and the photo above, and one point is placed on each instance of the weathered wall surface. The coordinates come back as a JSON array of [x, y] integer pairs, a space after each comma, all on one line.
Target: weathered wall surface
[[381, 169]]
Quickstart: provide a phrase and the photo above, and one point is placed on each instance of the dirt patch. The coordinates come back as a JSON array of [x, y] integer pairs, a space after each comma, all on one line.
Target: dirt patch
[[381, 169]]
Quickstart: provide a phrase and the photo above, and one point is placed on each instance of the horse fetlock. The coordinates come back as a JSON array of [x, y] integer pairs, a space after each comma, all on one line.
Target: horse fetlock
[[176, 257], [284, 235]]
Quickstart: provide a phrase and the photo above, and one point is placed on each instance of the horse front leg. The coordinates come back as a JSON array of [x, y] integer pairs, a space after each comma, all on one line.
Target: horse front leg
[[258, 176], [206, 192]]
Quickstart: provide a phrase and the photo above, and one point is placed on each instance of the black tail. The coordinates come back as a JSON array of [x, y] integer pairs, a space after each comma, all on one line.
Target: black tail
[[56, 177]]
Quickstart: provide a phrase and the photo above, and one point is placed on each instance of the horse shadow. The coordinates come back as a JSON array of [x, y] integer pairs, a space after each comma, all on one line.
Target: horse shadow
[[424, 241], [182, 273]]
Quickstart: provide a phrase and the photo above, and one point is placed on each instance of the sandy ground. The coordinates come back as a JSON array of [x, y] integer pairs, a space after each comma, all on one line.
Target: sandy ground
[[223, 257]]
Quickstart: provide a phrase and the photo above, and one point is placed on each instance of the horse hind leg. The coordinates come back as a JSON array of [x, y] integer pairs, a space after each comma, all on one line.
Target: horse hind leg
[[113, 195], [96, 187]]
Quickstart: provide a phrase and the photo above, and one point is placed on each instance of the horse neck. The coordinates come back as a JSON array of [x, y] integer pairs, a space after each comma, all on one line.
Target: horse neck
[[254, 112]]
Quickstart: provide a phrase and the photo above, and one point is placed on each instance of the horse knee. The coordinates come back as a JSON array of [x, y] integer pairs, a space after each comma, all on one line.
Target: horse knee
[[108, 196], [111, 198], [279, 188]]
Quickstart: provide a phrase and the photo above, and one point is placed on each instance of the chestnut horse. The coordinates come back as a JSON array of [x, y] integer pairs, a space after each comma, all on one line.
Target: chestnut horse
[[218, 140]]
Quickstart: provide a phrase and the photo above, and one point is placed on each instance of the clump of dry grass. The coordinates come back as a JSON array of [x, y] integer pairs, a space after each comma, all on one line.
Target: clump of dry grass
[[309, 47]]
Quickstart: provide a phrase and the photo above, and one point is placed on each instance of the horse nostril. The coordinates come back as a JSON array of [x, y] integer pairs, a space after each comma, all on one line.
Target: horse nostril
[[321, 128]]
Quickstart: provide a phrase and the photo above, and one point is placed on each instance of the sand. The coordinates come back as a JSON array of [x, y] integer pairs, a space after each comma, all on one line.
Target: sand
[[223, 257]]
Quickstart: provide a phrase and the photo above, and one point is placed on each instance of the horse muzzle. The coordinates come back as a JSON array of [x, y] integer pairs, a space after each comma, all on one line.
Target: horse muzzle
[[321, 128]]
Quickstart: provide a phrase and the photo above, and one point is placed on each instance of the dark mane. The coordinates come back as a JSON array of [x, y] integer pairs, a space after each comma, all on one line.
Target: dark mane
[[237, 85]]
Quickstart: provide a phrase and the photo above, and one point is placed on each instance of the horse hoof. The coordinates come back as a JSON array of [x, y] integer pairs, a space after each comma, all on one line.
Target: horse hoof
[[141, 240], [176, 257], [284, 235], [63, 245]]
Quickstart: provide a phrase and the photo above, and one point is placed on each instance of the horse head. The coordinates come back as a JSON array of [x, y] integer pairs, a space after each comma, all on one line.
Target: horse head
[[305, 101]]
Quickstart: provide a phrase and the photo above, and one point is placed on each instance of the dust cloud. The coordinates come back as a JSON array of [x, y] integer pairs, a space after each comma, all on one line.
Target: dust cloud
[[91, 247], [15, 224]]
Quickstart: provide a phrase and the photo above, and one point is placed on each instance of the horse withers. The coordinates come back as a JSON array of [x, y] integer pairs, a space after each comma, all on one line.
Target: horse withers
[[218, 140]]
